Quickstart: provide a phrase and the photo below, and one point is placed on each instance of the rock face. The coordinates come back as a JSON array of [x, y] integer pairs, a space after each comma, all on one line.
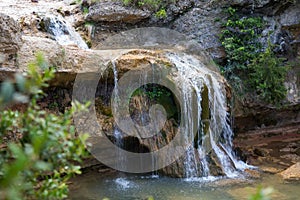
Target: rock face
[[292, 173], [10, 39], [273, 147], [291, 16], [201, 25], [115, 11]]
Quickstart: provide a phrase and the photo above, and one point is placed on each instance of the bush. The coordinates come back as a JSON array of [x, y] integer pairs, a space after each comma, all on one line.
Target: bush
[[40, 149], [267, 76], [248, 68]]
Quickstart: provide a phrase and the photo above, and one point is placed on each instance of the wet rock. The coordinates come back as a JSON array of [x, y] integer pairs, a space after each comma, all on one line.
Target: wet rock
[[252, 173], [62, 31], [292, 173], [271, 170], [232, 182], [114, 11], [261, 152]]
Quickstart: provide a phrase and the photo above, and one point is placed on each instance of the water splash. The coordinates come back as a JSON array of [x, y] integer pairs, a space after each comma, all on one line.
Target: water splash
[[63, 32], [123, 183]]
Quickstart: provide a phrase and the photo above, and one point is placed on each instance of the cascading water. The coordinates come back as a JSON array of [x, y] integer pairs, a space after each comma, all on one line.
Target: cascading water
[[197, 111], [215, 134], [63, 32], [116, 132]]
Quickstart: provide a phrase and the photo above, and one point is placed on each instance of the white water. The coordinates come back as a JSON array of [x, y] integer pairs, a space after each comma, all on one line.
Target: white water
[[194, 76], [63, 32], [117, 133], [123, 183]]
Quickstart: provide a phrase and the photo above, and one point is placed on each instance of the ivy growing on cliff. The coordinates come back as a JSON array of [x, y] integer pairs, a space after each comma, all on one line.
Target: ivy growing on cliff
[[267, 76], [248, 67]]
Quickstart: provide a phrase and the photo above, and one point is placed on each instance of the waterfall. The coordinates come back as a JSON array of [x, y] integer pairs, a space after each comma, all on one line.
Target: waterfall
[[116, 132], [63, 32], [191, 137], [215, 134]]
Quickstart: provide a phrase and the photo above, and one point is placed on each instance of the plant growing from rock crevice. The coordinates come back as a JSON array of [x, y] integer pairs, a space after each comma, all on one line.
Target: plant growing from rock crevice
[[248, 67]]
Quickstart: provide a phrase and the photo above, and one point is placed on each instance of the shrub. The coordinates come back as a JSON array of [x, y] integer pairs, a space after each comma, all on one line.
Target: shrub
[[248, 67], [40, 158], [267, 76]]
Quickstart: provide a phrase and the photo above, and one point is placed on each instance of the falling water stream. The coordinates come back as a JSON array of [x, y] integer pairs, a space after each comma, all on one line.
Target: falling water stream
[[205, 117], [215, 133], [63, 32]]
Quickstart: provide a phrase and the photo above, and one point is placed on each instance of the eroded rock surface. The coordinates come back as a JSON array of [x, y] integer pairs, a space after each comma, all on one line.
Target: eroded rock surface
[[10, 40], [292, 173], [115, 11]]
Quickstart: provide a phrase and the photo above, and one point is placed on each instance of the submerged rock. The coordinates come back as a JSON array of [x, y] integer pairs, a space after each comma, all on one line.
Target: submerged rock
[[245, 192]]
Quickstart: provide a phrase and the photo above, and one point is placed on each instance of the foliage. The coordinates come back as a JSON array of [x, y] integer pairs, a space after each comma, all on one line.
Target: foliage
[[247, 65], [154, 5], [152, 91], [240, 39], [262, 194], [38, 163], [32, 85], [267, 75]]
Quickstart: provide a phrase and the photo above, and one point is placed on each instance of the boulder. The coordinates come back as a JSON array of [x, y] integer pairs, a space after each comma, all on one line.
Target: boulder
[[10, 32], [114, 11], [10, 40], [292, 173]]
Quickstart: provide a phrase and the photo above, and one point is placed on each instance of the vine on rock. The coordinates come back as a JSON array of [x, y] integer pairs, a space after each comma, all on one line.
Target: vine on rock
[[248, 67]]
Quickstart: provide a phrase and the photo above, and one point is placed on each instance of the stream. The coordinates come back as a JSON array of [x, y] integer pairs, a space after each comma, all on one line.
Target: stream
[[98, 186]]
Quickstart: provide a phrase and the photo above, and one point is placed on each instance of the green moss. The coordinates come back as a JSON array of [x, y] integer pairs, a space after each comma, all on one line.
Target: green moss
[[205, 110]]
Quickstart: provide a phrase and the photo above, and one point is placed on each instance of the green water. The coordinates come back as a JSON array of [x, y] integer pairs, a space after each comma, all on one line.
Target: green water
[[97, 186]]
